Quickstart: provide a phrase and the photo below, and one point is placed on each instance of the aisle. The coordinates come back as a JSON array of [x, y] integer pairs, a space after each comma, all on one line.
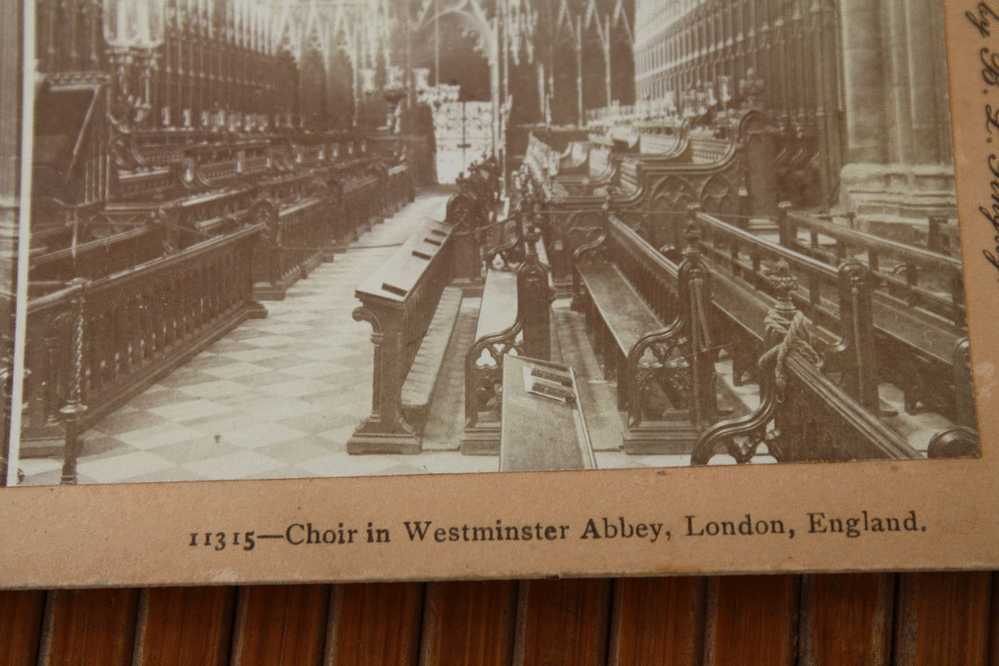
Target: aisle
[[269, 399]]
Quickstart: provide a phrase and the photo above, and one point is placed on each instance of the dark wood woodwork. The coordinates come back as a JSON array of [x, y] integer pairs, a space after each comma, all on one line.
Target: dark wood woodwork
[[658, 621], [562, 622], [399, 301], [184, 625], [943, 618], [938, 618], [751, 620], [21, 616], [469, 624], [514, 317], [846, 619], [98, 343], [89, 627], [281, 625], [375, 625]]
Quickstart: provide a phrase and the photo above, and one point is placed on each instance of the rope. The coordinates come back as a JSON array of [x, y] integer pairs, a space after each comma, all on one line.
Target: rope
[[796, 336]]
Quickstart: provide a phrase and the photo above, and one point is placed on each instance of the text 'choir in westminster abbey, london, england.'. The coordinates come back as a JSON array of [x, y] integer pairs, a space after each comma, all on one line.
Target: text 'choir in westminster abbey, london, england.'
[[274, 239]]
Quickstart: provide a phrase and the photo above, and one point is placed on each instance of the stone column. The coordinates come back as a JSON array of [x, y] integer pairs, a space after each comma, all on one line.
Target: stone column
[[924, 87], [898, 109], [863, 76]]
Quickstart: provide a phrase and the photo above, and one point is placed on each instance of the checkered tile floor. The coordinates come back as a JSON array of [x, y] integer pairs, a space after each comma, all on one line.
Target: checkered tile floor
[[276, 398]]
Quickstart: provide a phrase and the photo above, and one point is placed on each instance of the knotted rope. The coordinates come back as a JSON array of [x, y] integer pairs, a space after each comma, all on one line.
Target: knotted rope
[[795, 334]]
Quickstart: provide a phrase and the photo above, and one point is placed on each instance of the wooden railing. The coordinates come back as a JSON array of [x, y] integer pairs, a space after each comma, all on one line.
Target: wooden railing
[[399, 301], [905, 276], [749, 286], [293, 246], [917, 349], [803, 415], [99, 257], [95, 344]]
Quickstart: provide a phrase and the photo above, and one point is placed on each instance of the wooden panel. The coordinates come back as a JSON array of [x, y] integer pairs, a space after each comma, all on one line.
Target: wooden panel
[[375, 624], [469, 624], [20, 626], [846, 619], [281, 625], [657, 621], [84, 627], [184, 625], [943, 619], [562, 622], [994, 627], [751, 620]]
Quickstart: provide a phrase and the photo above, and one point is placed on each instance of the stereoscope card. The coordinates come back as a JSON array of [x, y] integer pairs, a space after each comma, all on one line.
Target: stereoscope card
[[337, 290]]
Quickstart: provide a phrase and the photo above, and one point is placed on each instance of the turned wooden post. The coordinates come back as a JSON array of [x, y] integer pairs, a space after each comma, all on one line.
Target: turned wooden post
[[856, 314], [786, 228], [696, 287], [693, 210], [74, 409]]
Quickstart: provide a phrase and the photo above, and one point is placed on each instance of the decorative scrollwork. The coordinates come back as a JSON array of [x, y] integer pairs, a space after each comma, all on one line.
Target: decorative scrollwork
[[484, 371]]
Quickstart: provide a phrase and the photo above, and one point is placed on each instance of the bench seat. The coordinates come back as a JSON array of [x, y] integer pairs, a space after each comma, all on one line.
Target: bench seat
[[419, 385], [620, 307]]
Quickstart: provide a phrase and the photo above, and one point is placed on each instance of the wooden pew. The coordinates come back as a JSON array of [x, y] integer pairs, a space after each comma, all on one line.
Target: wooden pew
[[684, 308], [543, 426], [649, 321], [726, 169], [97, 343], [514, 319], [400, 301]]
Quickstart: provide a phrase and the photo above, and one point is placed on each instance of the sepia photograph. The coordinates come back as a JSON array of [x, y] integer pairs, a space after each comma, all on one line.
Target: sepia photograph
[[289, 239]]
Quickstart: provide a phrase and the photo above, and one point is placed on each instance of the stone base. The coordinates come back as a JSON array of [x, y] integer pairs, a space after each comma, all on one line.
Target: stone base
[[898, 193], [378, 443], [482, 440], [661, 437]]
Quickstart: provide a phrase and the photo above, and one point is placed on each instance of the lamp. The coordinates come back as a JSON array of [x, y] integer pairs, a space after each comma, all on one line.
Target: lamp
[[133, 30]]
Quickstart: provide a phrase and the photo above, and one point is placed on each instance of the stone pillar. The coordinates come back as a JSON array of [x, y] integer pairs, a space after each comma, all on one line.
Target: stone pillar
[[863, 76], [895, 35], [923, 46]]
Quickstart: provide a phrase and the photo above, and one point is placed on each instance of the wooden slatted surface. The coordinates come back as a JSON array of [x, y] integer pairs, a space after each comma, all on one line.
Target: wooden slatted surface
[[870, 619]]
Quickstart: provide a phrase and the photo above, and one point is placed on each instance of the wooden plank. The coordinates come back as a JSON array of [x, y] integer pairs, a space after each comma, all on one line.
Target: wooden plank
[[281, 625], [20, 627], [89, 627], [751, 620], [658, 621], [627, 315], [943, 618], [374, 624], [846, 619], [184, 625], [562, 622], [469, 624]]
